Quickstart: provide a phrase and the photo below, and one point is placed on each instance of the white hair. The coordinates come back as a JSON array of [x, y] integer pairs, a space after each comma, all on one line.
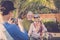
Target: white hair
[[30, 13]]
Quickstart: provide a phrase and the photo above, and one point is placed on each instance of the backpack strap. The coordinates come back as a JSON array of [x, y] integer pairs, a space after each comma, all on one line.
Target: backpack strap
[[2, 32], [7, 33]]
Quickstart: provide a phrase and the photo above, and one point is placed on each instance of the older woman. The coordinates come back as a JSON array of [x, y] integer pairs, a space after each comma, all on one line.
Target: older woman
[[36, 29]]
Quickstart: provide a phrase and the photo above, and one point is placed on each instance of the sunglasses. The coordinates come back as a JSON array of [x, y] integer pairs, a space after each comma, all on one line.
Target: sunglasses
[[36, 17]]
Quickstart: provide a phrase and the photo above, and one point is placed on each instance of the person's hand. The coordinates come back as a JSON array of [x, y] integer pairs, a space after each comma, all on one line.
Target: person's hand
[[20, 25]]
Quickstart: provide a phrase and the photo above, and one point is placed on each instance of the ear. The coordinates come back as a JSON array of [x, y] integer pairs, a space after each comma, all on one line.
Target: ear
[[11, 13]]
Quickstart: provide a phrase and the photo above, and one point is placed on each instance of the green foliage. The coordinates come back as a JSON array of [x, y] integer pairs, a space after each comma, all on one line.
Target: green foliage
[[45, 10], [34, 5], [52, 26], [37, 6], [57, 4], [48, 20]]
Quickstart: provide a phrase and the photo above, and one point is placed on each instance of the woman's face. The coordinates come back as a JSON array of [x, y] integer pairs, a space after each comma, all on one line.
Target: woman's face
[[37, 22], [29, 17], [36, 19]]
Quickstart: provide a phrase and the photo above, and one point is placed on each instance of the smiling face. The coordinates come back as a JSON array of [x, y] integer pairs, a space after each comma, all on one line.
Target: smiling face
[[29, 17], [36, 19]]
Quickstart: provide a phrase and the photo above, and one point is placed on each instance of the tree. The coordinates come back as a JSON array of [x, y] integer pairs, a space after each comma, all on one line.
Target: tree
[[57, 4], [36, 6]]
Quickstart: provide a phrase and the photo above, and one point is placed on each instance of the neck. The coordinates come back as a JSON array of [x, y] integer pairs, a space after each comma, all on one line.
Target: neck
[[5, 18], [1, 18]]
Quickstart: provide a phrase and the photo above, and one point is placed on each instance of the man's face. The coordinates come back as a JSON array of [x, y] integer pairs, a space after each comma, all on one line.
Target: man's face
[[11, 14]]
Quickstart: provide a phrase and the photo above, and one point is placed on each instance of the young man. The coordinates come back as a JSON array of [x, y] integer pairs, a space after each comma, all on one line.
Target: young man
[[12, 29]]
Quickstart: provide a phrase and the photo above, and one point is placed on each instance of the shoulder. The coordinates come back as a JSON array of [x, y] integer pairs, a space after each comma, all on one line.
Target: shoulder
[[2, 27], [32, 25], [10, 26], [13, 26]]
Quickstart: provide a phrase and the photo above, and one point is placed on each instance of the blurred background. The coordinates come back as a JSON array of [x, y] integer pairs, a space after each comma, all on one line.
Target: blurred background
[[49, 11]]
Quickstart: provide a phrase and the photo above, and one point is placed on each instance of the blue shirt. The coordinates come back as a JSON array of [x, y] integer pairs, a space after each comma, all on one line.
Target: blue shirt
[[15, 32]]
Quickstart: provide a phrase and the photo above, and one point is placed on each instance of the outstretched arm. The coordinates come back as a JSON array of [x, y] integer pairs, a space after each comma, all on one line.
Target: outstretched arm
[[30, 30]]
